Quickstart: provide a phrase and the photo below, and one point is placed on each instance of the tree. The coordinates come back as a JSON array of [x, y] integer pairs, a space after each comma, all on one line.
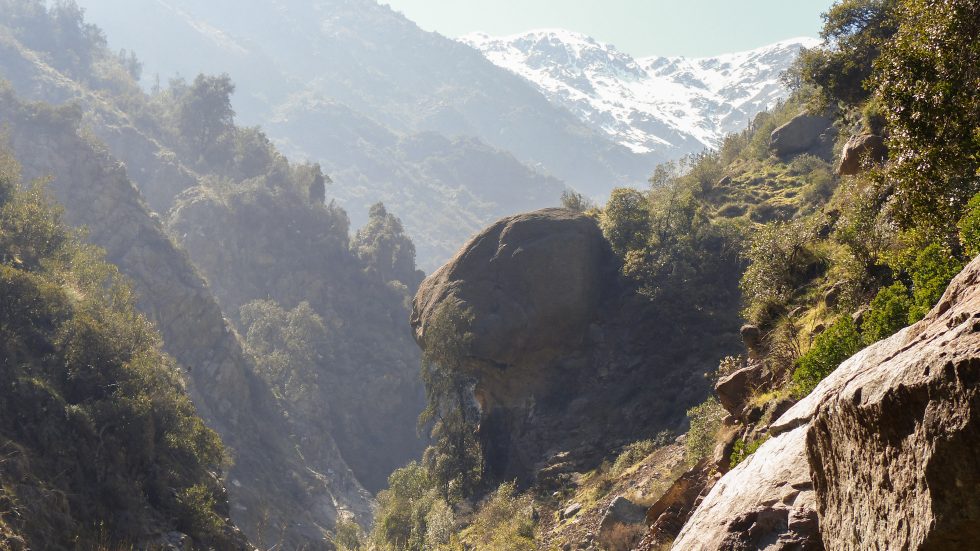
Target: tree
[[853, 33], [573, 200], [384, 247], [626, 220], [205, 114], [288, 346], [927, 80], [454, 460]]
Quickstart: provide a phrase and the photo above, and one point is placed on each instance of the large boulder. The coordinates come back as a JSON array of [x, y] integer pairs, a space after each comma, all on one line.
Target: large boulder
[[532, 283], [859, 148], [734, 390], [569, 361], [804, 133]]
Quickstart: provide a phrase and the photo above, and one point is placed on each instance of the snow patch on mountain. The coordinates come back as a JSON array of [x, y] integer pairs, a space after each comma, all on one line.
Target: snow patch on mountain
[[656, 104]]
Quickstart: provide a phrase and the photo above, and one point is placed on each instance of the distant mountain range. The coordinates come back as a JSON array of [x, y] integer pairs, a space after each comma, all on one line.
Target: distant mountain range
[[666, 105], [443, 135]]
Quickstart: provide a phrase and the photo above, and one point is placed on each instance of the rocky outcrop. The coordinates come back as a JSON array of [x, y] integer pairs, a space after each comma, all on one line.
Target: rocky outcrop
[[570, 361], [254, 242], [882, 452], [859, 149], [804, 133]]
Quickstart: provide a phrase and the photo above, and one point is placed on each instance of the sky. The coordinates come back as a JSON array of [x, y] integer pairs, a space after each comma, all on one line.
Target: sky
[[692, 28]]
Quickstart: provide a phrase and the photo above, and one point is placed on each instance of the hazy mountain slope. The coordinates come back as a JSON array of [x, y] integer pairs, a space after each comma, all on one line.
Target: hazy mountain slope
[[669, 105], [343, 84], [95, 190], [444, 189], [377, 62]]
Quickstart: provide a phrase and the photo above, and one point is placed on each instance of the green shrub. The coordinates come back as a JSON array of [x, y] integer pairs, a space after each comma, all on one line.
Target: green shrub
[[969, 227], [744, 449], [705, 423], [839, 342], [633, 454], [931, 272], [347, 535], [506, 521], [782, 258], [400, 519], [889, 312]]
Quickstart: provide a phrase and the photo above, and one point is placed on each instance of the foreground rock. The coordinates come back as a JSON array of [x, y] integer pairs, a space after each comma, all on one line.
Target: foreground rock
[[893, 448], [883, 451]]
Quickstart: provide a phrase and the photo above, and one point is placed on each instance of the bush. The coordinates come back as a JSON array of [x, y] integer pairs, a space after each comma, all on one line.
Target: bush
[[889, 312], [400, 520], [781, 259], [347, 535], [744, 449], [506, 521], [934, 267], [705, 423], [969, 227], [839, 342]]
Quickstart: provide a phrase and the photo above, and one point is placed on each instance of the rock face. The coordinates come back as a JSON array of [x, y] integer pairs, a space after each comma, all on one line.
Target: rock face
[[883, 451], [857, 149], [893, 448], [563, 356], [805, 133]]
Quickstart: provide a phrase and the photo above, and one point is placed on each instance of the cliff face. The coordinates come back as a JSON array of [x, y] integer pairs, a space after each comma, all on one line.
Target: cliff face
[[570, 363], [270, 484], [882, 452]]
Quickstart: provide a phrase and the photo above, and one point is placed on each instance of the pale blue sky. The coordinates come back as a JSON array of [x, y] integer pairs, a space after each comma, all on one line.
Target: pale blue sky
[[638, 27]]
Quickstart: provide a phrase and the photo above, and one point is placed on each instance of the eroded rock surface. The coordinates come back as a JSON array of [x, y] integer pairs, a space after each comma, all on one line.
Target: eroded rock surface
[[893, 450], [766, 502]]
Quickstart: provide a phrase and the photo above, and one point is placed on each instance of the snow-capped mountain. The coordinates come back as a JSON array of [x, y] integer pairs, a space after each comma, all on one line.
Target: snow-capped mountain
[[658, 104]]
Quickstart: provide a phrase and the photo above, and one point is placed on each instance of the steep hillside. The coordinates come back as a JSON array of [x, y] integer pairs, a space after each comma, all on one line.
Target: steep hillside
[[670, 106], [102, 448], [267, 469], [291, 460]]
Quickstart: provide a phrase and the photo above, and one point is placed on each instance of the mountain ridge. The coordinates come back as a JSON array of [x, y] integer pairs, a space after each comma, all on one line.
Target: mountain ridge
[[657, 104]]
